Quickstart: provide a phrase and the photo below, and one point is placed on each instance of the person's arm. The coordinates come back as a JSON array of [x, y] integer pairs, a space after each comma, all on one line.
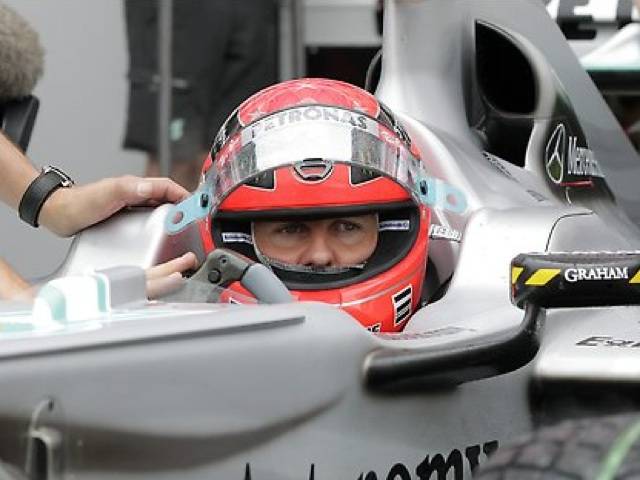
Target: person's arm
[[17, 173], [12, 285], [69, 210]]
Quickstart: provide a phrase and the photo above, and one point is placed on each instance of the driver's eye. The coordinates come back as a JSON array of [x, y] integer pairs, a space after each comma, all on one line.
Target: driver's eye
[[293, 228], [346, 226]]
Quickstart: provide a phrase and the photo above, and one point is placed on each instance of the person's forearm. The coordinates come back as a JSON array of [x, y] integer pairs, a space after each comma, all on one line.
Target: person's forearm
[[17, 173], [66, 211], [12, 285]]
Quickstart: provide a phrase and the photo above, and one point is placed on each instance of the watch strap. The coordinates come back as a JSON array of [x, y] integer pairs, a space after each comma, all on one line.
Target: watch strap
[[49, 180]]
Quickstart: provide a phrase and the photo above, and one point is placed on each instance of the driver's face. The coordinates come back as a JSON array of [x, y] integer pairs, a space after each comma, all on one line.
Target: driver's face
[[335, 242]]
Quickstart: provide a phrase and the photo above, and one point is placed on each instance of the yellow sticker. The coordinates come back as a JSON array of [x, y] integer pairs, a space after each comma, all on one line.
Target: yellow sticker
[[542, 276], [515, 274], [636, 278]]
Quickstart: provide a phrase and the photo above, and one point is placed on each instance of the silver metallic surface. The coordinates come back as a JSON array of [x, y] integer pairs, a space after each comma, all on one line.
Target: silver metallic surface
[[134, 237]]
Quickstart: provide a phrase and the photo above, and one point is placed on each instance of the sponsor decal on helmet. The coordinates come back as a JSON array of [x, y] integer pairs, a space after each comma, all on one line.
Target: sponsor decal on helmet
[[442, 232], [237, 237], [567, 163], [596, 273], [402, 305], [311, 113], [394, 226]]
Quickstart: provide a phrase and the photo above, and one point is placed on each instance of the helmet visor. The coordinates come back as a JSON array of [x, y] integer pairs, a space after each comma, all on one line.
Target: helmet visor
[[310, 139]]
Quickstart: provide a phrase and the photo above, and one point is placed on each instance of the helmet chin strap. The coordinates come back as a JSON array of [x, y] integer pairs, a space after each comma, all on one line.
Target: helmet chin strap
[[272, 263]]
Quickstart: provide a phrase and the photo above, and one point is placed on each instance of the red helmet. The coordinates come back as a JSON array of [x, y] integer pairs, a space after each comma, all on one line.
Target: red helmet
[[313, 149]]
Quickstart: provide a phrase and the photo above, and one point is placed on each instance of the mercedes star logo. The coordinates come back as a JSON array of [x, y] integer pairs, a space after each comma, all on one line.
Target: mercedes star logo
[[555, 153]]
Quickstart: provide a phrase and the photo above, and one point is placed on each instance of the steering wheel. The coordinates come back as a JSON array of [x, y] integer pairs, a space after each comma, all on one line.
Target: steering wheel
[[223, 267]]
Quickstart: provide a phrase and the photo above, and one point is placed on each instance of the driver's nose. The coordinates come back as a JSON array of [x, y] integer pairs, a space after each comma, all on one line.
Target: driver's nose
[[318, 252]]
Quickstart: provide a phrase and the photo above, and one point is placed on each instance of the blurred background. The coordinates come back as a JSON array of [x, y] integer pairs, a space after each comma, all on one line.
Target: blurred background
[[85, 116]]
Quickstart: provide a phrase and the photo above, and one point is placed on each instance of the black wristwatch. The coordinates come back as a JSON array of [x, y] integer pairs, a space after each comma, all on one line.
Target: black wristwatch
[[49, 180]]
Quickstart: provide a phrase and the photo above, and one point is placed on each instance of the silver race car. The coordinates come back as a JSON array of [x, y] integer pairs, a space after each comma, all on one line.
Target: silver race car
[[533, 279]]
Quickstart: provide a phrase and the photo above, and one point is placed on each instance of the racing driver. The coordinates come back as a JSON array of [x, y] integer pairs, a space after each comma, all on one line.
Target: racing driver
[[317, 180]]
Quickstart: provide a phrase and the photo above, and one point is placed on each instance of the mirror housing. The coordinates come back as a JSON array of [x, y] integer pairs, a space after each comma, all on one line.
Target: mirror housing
[[576, 279]]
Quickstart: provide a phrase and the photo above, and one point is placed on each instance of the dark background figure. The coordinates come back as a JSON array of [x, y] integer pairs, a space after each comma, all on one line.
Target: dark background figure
[[223, 51]]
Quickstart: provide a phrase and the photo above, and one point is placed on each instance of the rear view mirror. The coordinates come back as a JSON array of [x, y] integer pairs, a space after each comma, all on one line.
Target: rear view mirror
[[582, 279]]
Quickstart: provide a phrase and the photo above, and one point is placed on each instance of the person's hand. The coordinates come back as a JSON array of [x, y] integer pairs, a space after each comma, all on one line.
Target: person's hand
[[167, 277], [161, 279], [12, 285], [69, 210]]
